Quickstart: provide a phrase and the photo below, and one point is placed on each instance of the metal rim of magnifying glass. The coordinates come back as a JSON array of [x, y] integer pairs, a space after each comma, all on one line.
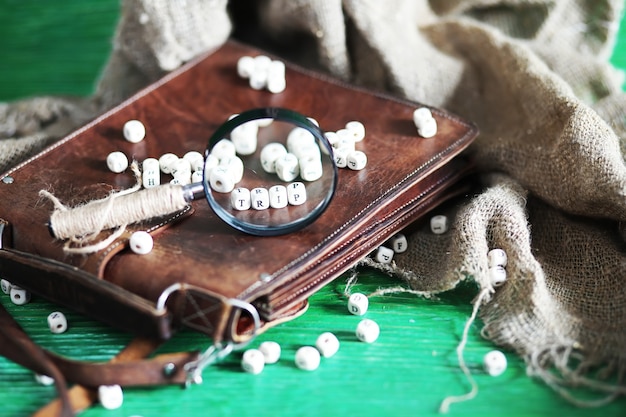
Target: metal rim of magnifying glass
[[285, 115]]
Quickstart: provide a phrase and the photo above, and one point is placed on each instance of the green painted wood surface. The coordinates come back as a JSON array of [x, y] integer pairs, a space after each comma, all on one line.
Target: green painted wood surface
[[57, 47]]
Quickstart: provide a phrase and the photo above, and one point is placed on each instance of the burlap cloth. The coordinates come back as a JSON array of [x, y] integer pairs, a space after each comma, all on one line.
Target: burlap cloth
[[534, 76]]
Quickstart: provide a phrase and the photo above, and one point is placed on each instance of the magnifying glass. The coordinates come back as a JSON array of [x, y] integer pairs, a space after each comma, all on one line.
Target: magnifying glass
[[266, 172]]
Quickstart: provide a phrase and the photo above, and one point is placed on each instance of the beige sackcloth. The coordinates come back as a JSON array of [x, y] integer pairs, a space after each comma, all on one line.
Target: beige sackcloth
[[532, 74]]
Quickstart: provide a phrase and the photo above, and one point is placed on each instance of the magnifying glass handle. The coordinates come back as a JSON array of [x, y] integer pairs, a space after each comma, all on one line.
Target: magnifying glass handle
[[119, 209]]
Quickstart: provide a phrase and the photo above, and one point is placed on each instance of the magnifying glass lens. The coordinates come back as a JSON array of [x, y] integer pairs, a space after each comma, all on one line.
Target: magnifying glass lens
[[269, 171]]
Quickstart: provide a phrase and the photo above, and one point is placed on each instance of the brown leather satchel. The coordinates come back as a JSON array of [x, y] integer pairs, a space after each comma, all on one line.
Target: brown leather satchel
[[202, 273]]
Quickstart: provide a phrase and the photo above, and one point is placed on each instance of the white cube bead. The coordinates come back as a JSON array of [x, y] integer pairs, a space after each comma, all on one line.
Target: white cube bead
[[258, 79], [151, 178], [307, 358], [265, 122], [134, 131], [197, 176], [193, 157], [5, 286], [296, 193], [253, 361], [211, 162], [312, 120], [276, 68], [245, 138], [181, 168], [384, 255], [299, 137], [57, 322], [495, 363], [497, 257], [269, 154], [260, 198], [367, 331], [276, 85], [110, 396], [278, 196], [358, 304], [44, 380], [262, 62], [141, 242], [150, 164], [287, 167], [240, 199], [310, 169], [357, 160], [399, 243], [357, 129], [439, 224], [306, 151], [225, 148], [327, 344], [235, 166], [497, 275], [341, 157], [19, 296], [117, 162], [245, 66], [221, 180], [332, 138], [182, 178], [167, 161], [271, 351], [420, 115], [428, 128]]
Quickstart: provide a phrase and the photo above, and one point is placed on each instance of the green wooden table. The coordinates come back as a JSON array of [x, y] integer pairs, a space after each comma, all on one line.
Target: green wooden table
[[407, 372]]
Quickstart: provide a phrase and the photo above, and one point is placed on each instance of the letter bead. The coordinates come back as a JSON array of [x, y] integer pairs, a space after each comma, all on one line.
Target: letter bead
[[221, 180], [439, 224], [5, 286], [225, 148], [357, 160], [420, 115], [111, 397], [358, 304], [235, 167], [327, 344], [167, 161], [245, 66], [253, 361], [271, 351], [141, 242], [296, 193], [193, 157], [134, 131], [497, 275], [269, 154], [240, 199], [244, 137], [151, 178], [307, 358], [197, 176], [298, 138], [57, 322], [311, 169], [367, 331], [497, 257], [495, 363], [287, 167], [399, 243], [384, 255], [341, 157], [357, 129], [278, 196], [260, 199], [19, 296], [117, 162], [428, 128]]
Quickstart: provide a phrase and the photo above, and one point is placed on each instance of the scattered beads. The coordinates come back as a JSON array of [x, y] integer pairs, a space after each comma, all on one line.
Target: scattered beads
[[307, 358], [278, 196], [271, 351], [327, 344], [358, 304], [253, 361], [425, 122], [134, 131], [141, 242], [495, 363], [117, 162], [263, 72], [57, 322], [110, 396], [367, 331], [343, 142]]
